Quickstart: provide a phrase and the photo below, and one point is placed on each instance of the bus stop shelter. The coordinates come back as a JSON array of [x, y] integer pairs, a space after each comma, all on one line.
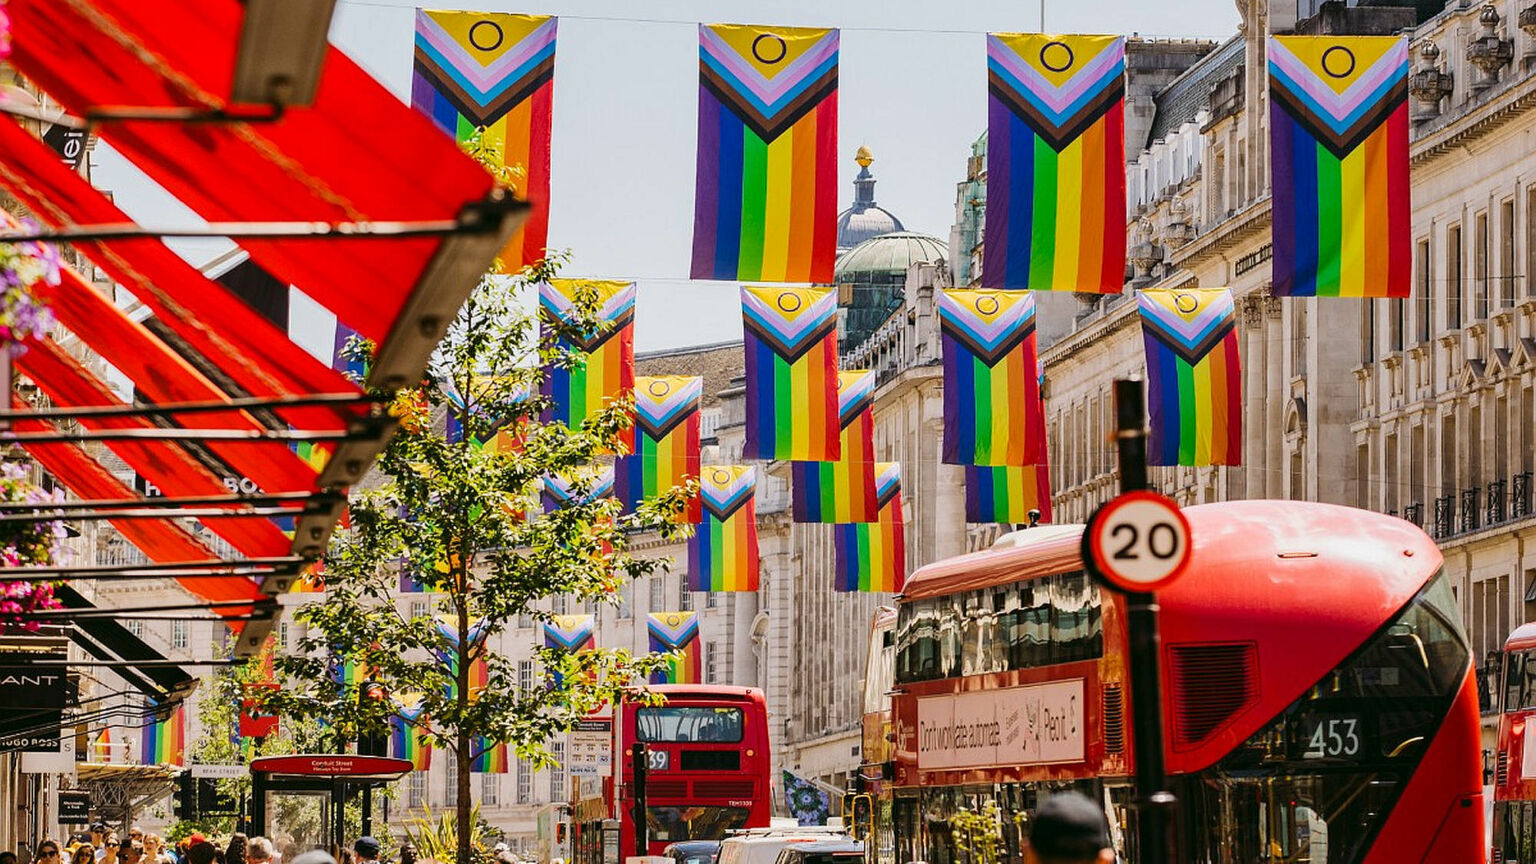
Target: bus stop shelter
[[305, 796]]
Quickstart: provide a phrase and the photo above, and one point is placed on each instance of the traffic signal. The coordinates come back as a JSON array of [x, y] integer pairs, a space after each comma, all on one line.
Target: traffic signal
[[559, 832], [859, 815], [184, 796]]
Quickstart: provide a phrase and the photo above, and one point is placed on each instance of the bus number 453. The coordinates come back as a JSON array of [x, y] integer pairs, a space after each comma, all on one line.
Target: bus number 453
[[1333, 738]]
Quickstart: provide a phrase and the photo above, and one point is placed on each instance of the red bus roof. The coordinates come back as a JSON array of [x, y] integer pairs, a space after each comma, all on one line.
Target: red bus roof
[[706, 691], [1522, 638]]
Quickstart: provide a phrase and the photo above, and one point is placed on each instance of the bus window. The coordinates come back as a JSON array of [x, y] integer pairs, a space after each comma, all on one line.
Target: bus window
[[917, 642], [1514, 679], [668, 723], [1077, 627], [980, 635], [951, 636], [1031, 642]]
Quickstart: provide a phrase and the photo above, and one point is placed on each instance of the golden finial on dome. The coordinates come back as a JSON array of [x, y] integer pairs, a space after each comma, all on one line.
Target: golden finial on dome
[[863, 157]]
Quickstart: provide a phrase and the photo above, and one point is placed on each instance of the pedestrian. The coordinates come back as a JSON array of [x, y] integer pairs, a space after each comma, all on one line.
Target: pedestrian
[[85, 853], [1069, 828], [154, 850], [133, 853], [108, 853], [367, 850], [407, 853], [48, 852], [7, 857], [258, 850], [235, 853], [201, 851], [135, 835], [98, 834]]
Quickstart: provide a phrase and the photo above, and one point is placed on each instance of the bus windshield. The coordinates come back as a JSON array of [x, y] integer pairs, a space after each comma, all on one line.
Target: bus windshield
[[669, 723]]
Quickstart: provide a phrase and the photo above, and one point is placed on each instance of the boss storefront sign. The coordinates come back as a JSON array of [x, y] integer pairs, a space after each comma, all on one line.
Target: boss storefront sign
[[31, 701], [1036, 724]]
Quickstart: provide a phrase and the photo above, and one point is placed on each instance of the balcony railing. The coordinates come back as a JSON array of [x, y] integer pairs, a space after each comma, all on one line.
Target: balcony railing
[[1470, 515], [1414, 513], [1496, 508], [1445, 508], [1520, 495]]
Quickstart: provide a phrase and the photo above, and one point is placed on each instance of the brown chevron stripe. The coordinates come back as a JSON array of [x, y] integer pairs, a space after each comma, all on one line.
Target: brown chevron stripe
[[791, 353], [1201, 349], [1340, 145], [596, 340], [1057, 136], [990, 357], [484, 115], [660, 432], [726, 514], [767, 128]]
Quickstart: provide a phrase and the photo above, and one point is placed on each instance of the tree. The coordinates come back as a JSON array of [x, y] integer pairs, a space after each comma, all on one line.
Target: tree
[[460, 514]]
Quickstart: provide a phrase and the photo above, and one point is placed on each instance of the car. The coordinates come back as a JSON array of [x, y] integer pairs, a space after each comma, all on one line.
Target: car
[[693, 851], [763, 845], [846, 851]]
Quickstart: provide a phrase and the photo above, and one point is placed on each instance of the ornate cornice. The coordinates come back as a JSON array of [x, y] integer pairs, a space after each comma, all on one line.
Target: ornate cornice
[[1499, 110]]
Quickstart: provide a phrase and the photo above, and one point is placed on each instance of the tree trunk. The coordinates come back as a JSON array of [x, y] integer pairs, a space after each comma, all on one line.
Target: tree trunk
[[462, 674]]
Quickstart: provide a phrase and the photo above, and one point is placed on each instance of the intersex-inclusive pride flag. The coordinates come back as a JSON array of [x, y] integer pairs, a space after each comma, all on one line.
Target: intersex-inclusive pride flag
[[609, 372], [676, 631], [791, 346], [1194, 380], [992, 410], [666, 441], [722, 553], [1338, 134], [487, 756], [164, 742], [560, 492], [842, 491], [407, 735], [571, 632], [765, 203], [1055, 163], [494, 73], [872, 556], [1006, 493], [504, 435]]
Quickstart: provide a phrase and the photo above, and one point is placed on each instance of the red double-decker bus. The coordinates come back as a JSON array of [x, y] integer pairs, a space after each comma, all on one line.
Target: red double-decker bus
[[1514, 772], [1319, 701], [707, 752]]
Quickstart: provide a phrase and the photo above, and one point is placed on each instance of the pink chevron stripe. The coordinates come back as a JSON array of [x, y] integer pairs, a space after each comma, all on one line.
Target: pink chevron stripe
[[610, 309], [486, 76], [790, 330], [657, 409], [1339, 105], [861, 387], [1057, 97], [989, 331], [766, 89], [1220, 307]]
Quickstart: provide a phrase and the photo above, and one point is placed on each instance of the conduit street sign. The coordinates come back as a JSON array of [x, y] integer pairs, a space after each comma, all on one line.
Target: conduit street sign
[[1138, 541]]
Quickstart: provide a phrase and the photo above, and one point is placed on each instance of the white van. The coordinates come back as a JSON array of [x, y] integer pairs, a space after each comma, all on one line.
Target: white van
[[763, 845]]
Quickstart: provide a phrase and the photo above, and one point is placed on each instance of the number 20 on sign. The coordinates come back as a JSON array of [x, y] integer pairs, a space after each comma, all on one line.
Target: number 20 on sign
[[1137, 541]]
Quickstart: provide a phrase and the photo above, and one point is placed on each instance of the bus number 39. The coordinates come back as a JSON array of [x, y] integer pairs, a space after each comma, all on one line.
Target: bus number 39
[[1334, 738]]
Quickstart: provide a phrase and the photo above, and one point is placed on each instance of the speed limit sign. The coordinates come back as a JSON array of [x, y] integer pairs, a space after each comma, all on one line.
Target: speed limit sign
[[1137, 541]]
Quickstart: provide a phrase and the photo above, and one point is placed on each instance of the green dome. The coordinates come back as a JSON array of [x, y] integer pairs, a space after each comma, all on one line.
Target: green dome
[[871, 277], [890, 253]]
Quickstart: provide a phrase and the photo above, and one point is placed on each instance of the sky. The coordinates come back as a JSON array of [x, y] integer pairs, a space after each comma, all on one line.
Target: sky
[[912, 87]]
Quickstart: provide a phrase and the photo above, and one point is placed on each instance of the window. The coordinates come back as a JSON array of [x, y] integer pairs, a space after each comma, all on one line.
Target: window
[[1397, 312], [524, 782], [1480, 241], [711, 600], [626, 594], [1424, 305], [418, 609], [524, 620], [677, 723], [490, 789], [561, 604], [451, 784], [711, 664], [1367, 332], [1453, 301], [557, 782], [684, 596], [416, 789], [179, 637], [1504, 286], [525, 675], [1530, 242], [672, 824], [136, 627], [658, 594], [1299, 339]]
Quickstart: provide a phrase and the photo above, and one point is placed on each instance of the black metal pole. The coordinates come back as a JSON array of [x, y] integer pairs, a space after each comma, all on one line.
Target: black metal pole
[[639, 767], [1154, 803]]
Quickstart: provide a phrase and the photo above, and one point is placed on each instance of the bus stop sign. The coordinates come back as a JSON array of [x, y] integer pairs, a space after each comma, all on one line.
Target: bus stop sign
[[1137, 541]]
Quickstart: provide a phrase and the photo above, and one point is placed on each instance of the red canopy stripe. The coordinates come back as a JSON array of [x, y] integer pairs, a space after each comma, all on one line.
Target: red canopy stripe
[[160, 540]]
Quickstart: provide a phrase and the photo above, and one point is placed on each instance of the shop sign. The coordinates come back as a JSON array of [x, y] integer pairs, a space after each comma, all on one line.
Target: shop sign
[[1036, 724]]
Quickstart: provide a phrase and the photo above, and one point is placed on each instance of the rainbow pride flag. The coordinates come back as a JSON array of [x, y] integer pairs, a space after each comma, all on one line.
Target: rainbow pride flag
[[676, 631], [571, 632], [1006, 493], [765, 202], [408, 738], [872, 556], [842, 491], [503, 436], [101, 745], [164, 741], [1338, 134], [722, 553], [1194, 379], [557, 493], [666, 453], [1055, 218], [494, 73], [791, 346], [992, 409], [488, 757], [348, 674], [609, 372]]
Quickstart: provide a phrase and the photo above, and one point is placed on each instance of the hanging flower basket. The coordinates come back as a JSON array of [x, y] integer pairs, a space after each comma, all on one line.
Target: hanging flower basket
[[26, 544], [21, 266]]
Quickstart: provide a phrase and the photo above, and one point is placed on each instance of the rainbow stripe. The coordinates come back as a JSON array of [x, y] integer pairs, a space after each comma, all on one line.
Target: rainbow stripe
[[872, 556], [557, 493], [348, 674], [503, 436], [666, 442], [765, 205], [679, 632], [490, 757], [494, 73], [609, 371], [571, 632], [992, 409], [1055, 218], [791, 346], [1339, 166], [101, 745], [1007, 493], [1194, 379], [408, 737], [842, 491], [722, 553], [164, 742]]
